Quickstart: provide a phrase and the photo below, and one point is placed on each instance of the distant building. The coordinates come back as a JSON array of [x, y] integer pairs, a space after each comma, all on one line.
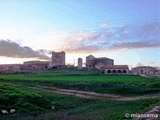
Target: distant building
[[158, 73], [9, 68], [31, 66], [91, 61], [147, 70], [113, 69], [79, 64], [58, 59]]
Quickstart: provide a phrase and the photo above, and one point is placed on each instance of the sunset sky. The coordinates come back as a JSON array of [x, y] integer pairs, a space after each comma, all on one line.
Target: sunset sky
[[127, 31]]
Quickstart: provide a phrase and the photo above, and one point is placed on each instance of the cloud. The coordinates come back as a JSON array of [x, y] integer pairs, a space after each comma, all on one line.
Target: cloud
[[152, 62], [142, 36], [104, 25], [9, 48], [82, 42], [135, 45], [122, 37], [125, 32], [87, 36], [122, 26]]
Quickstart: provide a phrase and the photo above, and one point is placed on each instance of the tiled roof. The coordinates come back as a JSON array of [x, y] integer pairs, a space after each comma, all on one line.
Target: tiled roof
[[116, 67]]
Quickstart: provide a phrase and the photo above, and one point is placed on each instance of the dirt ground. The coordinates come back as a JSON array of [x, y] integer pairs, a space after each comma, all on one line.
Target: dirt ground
[[85, 94]]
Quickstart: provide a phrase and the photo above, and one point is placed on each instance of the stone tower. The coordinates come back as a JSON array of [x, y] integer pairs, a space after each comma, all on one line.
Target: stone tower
[[58, 58], [80, 64]]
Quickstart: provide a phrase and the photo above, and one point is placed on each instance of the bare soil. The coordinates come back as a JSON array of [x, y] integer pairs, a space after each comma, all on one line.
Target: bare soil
[[88, 95]]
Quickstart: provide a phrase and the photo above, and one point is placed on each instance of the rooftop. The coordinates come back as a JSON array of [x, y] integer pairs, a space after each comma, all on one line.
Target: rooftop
[[143, 67], [116, 67], [102, 58]]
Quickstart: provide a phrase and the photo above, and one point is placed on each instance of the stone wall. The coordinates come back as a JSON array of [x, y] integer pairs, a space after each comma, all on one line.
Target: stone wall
[[58, 58]]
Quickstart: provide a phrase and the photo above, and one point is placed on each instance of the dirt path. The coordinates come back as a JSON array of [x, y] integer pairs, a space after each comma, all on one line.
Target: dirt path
[[85, 94]]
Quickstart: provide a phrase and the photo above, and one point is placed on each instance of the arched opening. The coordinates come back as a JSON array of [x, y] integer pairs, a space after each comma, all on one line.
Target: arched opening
[[108, 71], [114, 71], [141, 71], [124, 71], [119, 71]]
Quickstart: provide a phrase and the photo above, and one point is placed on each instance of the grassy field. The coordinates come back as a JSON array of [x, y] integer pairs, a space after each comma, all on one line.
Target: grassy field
[[34, 104], [88, 81]]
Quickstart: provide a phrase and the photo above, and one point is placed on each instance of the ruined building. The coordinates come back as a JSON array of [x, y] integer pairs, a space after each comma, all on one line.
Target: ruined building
[[9, 68], [91, 62], [29, 66], [147, 70], [33, 66], [58, 59]]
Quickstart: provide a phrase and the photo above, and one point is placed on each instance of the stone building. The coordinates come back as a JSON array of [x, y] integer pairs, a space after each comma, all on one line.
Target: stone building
[[115, 69], [147, 70], [31, 66], [9, 68], [91, 61], [80, 64], [58, 59]]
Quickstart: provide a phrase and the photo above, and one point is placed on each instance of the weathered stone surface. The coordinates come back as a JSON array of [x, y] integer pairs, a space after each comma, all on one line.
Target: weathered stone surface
[[4, 112], [12, 110]]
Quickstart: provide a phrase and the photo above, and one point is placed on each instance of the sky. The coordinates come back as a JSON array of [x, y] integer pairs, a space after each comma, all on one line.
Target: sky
[[127, 31]]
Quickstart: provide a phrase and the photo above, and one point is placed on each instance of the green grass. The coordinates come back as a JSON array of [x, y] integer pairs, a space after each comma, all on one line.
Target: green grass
[[77, 78], [28, 103], [113, 110], [25, 100], [126, 85]]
